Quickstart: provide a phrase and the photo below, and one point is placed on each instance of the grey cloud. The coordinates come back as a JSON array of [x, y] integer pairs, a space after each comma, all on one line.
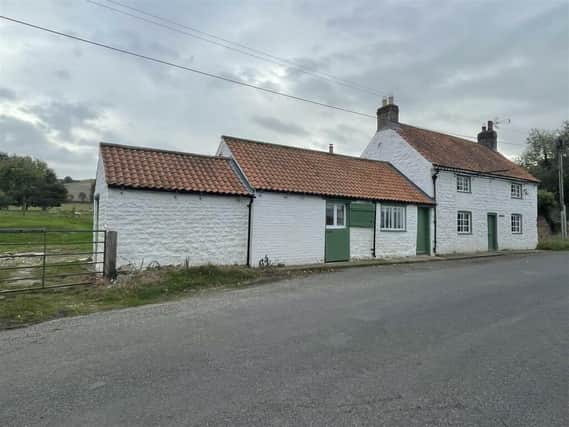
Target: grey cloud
[[274, 124], [7, 94], [62, 74], [64, 116], [21, 137]]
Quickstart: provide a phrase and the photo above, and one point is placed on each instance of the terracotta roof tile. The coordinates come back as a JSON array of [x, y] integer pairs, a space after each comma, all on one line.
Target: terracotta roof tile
[[290, 169], [453, 152], [145, 168]]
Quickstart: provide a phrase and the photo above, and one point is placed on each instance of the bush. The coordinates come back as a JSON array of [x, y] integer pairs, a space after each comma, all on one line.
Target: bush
[[554, 244]]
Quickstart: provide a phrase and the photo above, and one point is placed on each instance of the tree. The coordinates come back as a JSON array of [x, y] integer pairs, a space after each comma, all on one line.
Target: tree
[[540, 158], [82, 197], [29, 182], [67, 179], [5, 201]]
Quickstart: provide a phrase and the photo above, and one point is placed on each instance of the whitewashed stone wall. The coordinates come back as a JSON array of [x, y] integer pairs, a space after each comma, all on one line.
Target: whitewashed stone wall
[[397, 243], [288, 228], [99, 214], [361, 243], [489, 195], [168, 228], [388, 145]]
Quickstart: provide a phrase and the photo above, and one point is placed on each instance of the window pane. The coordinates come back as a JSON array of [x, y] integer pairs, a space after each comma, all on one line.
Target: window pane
[[340, 210], [463, 222], [329, 214]]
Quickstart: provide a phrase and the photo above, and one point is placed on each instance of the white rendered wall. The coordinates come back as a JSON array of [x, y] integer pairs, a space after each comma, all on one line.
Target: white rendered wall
[[389, 146], [288, 228], [168, 228], [397, 243], [361, 242], [489, 195]]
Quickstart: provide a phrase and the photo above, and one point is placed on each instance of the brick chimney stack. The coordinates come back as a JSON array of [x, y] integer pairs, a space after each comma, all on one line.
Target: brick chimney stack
[[388, 113], [488, 136]]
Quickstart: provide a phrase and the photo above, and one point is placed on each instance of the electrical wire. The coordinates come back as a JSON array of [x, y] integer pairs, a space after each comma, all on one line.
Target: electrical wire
[[254, 53], [204, 73], [183, 67]]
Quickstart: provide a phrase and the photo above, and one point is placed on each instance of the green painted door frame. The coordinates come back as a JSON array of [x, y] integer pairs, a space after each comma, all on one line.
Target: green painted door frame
[[492, 232], [423, 231], [337, 237]]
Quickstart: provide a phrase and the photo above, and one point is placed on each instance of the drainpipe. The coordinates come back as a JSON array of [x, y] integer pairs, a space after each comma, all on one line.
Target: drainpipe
[[435, 176], [249, 232], [374, 229]]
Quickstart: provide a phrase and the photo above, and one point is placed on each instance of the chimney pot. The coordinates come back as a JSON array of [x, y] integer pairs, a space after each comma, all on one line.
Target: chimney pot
[[384, 101], [331, 148], [488, 136], [387, 114]]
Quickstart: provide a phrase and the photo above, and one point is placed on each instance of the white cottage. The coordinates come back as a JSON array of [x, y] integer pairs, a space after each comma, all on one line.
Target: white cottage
[[256, 203], [483, 200]]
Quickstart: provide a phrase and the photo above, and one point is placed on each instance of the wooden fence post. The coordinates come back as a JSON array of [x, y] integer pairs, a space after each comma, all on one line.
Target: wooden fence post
[[110, 267]]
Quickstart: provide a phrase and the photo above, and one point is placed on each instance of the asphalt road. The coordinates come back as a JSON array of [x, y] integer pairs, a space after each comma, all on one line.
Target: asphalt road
[[464, 343]]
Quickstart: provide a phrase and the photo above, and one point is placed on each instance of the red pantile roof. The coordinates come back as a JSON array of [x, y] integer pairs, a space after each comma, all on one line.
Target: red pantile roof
[[457, 153], [289, 169], [145, 168]]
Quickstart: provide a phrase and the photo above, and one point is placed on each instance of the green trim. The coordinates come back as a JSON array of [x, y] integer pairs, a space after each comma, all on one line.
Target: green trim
[[362, 214]]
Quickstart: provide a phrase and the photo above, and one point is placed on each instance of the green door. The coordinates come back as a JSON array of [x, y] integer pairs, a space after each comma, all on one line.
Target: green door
[[423, 232], [492, 233], [337, 244]]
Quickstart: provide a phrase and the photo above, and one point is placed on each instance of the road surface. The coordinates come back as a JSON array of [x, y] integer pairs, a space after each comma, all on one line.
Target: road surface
[[463, 343]]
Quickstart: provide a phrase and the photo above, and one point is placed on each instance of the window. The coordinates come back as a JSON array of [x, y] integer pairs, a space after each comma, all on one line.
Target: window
[[335, 215], [516, 223], [393, 218], [516, 191], [463, 184], [464, 222]]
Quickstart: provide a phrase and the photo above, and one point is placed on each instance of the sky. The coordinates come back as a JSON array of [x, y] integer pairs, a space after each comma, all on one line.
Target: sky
[[451, 65]]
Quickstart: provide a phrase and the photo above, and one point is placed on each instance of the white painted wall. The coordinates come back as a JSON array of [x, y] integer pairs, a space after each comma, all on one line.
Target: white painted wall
[[167, 227], [361, 243], [100, 209], [288, 228], [389, 146], [489, 195], [397, 243]]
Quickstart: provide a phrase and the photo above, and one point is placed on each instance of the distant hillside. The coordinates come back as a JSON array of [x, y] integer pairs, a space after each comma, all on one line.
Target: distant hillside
[[79, 191]]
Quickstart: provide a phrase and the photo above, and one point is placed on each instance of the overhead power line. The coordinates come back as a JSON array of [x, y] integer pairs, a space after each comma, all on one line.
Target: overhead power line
[[183, 67], [203, 73], [228, 44]]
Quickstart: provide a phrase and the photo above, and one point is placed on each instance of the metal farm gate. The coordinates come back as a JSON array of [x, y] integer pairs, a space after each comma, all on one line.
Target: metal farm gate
[[35, 259]]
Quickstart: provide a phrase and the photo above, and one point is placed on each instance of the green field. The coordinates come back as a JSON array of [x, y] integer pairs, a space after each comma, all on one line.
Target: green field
[[71, 216]]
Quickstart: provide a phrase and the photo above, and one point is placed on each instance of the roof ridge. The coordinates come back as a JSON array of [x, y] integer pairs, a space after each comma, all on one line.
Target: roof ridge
[[312, 150], [160, 150], [441, 133]]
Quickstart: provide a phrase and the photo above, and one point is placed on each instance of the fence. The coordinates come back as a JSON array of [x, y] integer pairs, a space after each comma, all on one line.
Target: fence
[[35, 259]]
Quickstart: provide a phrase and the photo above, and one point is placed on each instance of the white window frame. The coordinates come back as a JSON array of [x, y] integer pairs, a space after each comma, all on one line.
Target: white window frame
[[518, 192], [389, 220], [463, 184], [520, 224], [335, 206], [465, 221]]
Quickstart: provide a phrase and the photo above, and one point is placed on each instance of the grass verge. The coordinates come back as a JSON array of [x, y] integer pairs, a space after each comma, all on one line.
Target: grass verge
[[151, 286], [554, 244]]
